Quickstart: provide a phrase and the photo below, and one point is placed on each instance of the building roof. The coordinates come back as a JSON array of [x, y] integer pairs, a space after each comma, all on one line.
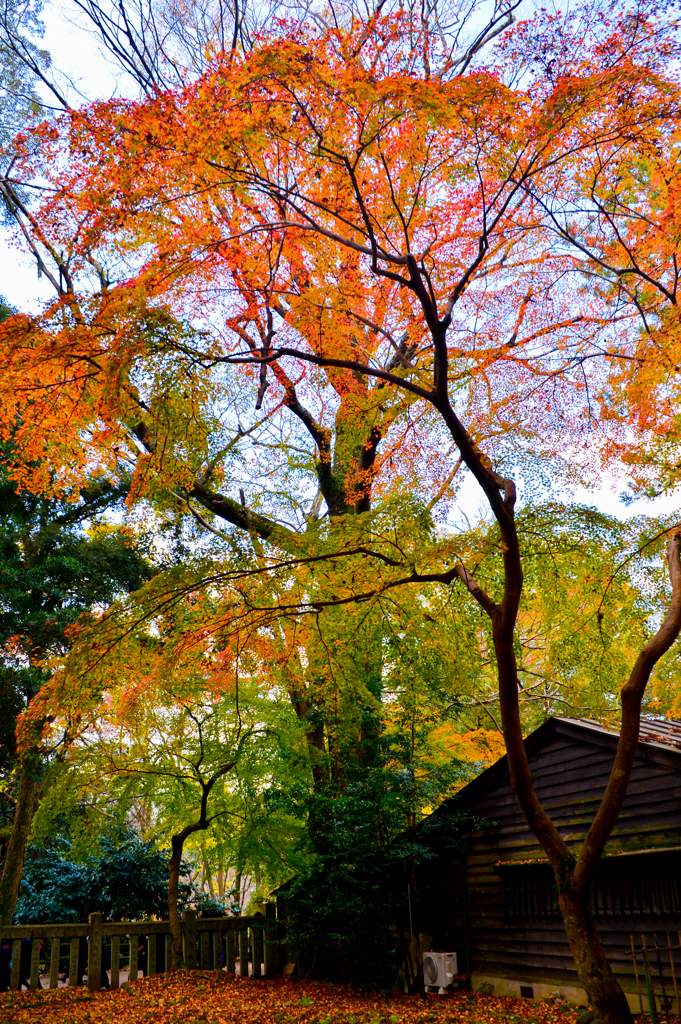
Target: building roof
[[659, 742], [665, 732]]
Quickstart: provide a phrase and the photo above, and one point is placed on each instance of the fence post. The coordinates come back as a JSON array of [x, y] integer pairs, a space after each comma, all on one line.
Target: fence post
[[258, 952], [230, 951], [270, 939], [15, 977], [73, 961], [243, 952], [189, 919], [115, 960], [55, 950], [217, 951], [134, 956], [94, 952], [34, 981], [204, 943]]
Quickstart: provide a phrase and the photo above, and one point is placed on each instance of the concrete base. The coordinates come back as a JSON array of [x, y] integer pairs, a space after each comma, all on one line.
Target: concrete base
[[539, 990]]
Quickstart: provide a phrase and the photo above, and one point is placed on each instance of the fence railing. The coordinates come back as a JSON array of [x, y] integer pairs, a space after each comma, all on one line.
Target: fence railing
[[211, 943], [657, 969]]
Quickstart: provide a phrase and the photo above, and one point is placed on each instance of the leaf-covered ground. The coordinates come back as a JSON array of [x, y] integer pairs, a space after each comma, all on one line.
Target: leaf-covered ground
[[197, 996]]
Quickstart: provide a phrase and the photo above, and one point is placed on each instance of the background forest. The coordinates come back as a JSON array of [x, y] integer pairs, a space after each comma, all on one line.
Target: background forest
[[346, 305]]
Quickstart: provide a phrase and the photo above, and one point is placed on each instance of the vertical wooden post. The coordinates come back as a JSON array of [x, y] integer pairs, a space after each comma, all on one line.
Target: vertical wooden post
[[134, 956], [649, 982], [660, 971], [34, 982], [151, 954], [169, 952], [638, 980], [115, 961], [217, 951], [204, 941], [14, 978], [243, 952], [257, 946], [55, 950], [270, 939], [189, 919], [230, 952], [73, 962], [94, 952], [671, 964]]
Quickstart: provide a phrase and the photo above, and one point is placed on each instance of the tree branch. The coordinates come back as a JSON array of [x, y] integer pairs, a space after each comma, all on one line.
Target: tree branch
[[627, 744]]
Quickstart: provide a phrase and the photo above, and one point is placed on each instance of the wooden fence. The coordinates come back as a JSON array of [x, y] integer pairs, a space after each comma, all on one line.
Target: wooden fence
[[209, 943]]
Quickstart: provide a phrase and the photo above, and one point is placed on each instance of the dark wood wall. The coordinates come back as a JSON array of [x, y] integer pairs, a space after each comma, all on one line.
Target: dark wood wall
[[570, 769]]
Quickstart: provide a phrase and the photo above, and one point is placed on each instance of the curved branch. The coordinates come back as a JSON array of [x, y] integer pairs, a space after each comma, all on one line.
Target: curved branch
[[343, 364], [473, 588], [627, 744]]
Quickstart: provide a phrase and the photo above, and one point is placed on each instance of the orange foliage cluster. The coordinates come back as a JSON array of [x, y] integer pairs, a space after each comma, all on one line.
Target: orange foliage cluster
[[484, 746], [197, 996], [293, 205]]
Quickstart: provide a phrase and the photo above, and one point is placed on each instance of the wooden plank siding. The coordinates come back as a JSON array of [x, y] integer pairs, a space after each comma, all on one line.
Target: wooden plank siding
[[463, 904]]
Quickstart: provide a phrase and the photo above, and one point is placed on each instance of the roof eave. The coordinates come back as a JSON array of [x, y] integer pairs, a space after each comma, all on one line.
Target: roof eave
[[570, 729]]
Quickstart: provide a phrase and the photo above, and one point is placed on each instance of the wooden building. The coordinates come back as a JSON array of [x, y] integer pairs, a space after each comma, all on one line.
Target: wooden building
[[495, 905]]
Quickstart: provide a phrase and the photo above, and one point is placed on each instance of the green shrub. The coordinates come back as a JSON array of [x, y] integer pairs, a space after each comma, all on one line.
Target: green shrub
[[126, 880]]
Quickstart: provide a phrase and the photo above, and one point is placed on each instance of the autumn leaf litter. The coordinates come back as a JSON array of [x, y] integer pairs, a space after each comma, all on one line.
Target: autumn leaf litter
[[195, 997]]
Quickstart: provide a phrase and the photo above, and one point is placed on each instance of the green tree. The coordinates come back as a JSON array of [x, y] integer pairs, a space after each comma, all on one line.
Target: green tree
[[176, 749], [345, 907], [59, 561]]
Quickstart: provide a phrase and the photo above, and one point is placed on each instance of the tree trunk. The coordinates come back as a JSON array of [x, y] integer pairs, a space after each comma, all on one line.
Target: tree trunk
[[13, 870], [575, 878], [602, 988], [207, 875], [177, 845]]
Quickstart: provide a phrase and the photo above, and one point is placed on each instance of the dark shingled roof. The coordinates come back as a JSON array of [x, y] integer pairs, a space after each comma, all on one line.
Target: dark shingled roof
[[665, 732]]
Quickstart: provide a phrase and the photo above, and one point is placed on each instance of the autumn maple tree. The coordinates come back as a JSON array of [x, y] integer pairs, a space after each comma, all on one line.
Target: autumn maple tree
[[396, 266], [170, 750]]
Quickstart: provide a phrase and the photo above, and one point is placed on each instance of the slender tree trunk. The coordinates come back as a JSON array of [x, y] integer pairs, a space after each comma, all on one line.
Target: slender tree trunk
[[175, 862], [602, 988], [575, 875], [13, 870], [207, 875]]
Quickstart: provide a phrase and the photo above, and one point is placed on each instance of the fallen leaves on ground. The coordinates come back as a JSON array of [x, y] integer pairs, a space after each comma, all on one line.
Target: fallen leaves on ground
[[200, 997]]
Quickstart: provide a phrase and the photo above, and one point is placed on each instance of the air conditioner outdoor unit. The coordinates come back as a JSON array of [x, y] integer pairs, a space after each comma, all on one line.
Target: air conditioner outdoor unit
[[439, 970]]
